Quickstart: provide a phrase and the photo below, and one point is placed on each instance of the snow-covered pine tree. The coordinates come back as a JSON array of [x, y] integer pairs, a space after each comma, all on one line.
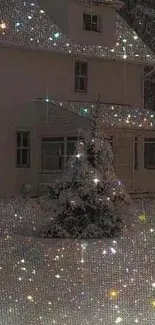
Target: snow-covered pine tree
[[89, 192]]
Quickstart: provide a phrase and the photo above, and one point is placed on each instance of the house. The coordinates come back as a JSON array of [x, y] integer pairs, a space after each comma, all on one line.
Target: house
[[56, 58]]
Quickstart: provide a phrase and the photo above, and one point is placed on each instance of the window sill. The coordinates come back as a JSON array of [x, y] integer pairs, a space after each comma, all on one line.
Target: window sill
[[149, 168], [80, 91], [51, 171], [22, 167], [93, 31]]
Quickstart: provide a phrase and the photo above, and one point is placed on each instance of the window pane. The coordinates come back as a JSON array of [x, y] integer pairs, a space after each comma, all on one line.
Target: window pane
[[18, 138], [24, 158], [81, 69], [149, 156], [88, 18], [94, 19], [25, 136], [82, 84], [70, 148], [18, 162], [52, 163], [53, 149], [88, 26], [77, 83], [77, 68], [94, 28], [84, 69], [52, 155]]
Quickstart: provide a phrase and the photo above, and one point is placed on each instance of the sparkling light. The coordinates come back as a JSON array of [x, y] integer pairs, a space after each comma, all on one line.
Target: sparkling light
[[96, 180], [114, 294], [3, 25], [56, 35], [30, 298], [118, 320], [113, 250], [153, 303], [142, 217]]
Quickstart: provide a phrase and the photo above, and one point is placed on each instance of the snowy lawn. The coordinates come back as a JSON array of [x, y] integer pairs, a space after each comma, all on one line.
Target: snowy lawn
[[68, 282]]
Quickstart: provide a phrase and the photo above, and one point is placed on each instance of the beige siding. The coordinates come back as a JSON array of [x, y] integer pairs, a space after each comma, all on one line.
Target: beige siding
[[27, 74]]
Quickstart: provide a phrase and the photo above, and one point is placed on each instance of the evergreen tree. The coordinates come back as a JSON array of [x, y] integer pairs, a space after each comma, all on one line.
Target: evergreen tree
[[89, 193]]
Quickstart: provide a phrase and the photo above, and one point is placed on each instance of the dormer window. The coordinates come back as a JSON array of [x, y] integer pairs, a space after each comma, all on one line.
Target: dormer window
[[91, 22]]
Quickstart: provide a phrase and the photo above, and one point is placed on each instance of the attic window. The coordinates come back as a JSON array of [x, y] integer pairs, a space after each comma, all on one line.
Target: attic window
[[91, 22]]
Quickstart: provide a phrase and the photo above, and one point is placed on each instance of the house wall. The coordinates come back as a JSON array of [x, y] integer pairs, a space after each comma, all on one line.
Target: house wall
[[33, 117], [107, 36], [25, 75]]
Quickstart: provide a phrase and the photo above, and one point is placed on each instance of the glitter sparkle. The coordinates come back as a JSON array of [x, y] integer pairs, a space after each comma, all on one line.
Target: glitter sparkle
[[43, 281]]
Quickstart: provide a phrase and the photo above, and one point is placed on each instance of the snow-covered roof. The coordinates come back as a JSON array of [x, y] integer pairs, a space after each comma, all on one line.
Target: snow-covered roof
[[115, 116], [24, 23], [109, 2]]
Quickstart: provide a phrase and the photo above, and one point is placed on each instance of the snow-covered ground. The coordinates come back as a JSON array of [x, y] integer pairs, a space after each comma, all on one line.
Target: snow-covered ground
[[68, 282]]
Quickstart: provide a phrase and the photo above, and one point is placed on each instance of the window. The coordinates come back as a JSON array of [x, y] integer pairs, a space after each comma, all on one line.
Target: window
[[149, 153], [91, 22], [56, 152], [81, 72], [23, 149]]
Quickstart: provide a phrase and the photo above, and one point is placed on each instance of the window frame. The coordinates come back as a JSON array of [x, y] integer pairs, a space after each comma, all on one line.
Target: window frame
[[22, 147], [148, 140], [97, 23], [80, 77], [136, 153], [65, 141]]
